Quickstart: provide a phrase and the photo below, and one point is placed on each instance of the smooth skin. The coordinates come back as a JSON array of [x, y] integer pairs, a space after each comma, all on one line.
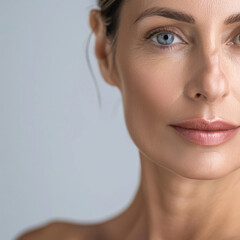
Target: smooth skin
[[187, 191]]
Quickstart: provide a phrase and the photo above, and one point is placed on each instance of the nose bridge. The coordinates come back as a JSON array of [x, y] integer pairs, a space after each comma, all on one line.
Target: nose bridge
[[211, 59], [210, 49], [213, 76], [209, 81]]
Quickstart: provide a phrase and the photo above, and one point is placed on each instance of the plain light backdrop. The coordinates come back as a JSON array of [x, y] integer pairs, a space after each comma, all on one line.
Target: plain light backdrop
[[62, 157]]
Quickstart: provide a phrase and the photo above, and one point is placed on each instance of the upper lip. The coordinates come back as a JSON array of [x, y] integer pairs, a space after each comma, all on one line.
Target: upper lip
[[204, 124]]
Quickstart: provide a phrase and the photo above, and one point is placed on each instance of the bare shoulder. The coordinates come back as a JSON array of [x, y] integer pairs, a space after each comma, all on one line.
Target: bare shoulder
[[58, 230]]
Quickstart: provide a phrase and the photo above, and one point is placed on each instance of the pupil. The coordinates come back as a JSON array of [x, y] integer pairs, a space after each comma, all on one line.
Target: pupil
[[165, 37]]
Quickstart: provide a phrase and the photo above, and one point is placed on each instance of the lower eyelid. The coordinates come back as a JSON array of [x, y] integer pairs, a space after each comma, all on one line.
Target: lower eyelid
[[177, 43], [175, 36], [171, 47], [238, 35], [150, 36]]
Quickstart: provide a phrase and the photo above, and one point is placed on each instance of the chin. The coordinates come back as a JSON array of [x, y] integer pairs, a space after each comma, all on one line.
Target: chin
[[194, 164]]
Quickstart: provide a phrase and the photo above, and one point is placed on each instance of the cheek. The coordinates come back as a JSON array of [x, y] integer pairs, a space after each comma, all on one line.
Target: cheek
[[150, 89]]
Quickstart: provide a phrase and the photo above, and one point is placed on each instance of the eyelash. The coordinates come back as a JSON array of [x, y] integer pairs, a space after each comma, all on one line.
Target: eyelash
[[236, 37], [167, 30], [160, 30]]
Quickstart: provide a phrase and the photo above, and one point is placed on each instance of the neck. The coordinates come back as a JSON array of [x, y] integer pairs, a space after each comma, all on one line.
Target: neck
[[168, 206], [183, 208]]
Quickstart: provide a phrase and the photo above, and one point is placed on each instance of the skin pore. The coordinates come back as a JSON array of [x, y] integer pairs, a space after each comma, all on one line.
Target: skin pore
[[187, 191]]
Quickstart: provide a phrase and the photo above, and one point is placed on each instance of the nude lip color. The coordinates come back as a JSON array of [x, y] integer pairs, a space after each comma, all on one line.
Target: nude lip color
[[206, 138], [205, 132]]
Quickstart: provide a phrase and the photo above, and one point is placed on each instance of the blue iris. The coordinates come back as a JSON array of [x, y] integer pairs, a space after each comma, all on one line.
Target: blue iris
[[165, 38]]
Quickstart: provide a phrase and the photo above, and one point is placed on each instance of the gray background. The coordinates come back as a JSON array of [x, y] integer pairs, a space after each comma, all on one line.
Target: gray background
[[61, 156]]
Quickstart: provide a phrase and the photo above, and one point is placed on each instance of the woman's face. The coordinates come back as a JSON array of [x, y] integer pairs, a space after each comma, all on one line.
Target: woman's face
[[162, 63]]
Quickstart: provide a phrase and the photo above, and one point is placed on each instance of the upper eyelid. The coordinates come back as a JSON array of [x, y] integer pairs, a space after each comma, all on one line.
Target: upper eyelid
[[154, 35], [166, 29], [180, 34], [159, 31], [236, 36]]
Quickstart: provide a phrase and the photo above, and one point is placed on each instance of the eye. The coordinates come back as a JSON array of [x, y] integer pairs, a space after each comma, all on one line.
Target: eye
[[237, 39], [166, 38]]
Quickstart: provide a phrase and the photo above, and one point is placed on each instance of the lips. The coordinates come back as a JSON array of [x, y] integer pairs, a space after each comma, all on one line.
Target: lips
[[205, 125], [206, 132]]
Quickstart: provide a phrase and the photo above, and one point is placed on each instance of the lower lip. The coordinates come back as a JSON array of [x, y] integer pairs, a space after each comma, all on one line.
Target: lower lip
[[206, 138]]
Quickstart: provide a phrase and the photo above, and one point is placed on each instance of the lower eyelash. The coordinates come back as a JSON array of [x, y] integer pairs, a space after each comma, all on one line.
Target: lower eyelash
[[169, 47], [163, 47], [159, 31]]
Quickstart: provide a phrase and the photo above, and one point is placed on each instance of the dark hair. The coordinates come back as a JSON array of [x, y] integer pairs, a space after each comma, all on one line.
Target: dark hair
[[110, 12]]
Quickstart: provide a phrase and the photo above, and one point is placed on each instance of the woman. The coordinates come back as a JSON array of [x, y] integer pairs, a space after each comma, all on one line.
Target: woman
[[177, 66]]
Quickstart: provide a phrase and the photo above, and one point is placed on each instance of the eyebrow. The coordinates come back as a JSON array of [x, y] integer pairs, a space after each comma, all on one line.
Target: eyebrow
[[179, 16], [233, 19], [166, 12]]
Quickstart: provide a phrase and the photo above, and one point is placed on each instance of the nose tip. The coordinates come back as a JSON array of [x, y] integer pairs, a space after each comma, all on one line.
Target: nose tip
[[208, 81]]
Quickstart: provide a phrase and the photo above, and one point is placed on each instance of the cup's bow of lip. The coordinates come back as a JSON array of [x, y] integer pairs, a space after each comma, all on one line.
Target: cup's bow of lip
[[206, 138]]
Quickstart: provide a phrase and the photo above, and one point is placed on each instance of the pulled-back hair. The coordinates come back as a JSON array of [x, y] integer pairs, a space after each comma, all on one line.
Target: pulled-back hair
[[110, 12]]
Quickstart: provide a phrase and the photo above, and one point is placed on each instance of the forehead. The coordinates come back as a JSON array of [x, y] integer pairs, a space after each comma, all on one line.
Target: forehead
[[202, 10]]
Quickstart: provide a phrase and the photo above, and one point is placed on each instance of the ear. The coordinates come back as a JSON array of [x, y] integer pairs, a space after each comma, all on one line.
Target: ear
[[103, 47]]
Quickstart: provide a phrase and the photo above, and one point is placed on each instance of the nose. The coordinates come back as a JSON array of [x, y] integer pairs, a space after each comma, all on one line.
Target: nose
[[207, 79]]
